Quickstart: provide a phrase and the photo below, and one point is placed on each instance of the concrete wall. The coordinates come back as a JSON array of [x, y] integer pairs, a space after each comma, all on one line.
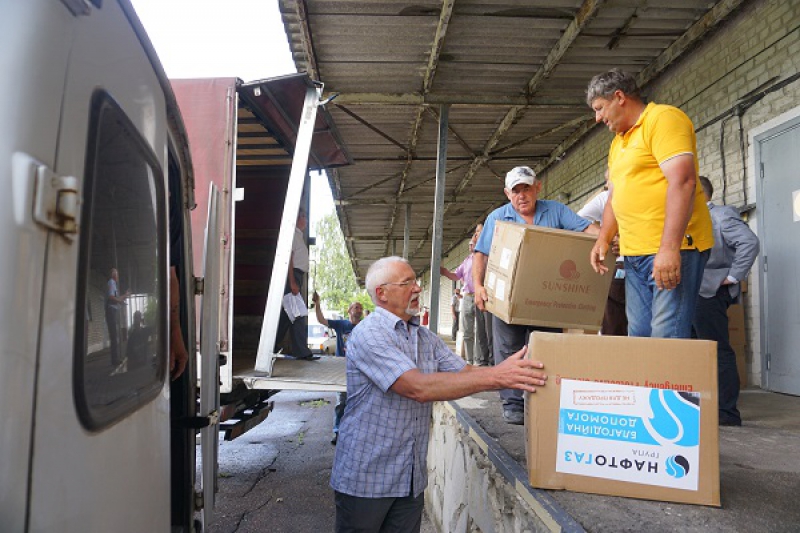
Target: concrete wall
[[758, 47], [474, 486]]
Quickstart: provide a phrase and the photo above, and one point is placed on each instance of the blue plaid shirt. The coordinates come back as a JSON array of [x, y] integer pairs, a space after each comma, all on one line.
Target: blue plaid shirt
[[383, 438]]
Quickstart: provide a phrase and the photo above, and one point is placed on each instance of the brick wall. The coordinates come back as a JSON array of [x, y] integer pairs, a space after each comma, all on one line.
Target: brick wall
[[756, 48]]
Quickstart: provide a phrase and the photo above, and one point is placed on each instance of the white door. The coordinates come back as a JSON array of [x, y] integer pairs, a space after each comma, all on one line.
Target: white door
[[210, 351], [31, 72], [778, 152], [101, 442]]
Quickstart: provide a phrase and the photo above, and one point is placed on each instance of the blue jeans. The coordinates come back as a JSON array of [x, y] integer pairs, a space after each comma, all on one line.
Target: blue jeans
[[653, 312], [338, 411]]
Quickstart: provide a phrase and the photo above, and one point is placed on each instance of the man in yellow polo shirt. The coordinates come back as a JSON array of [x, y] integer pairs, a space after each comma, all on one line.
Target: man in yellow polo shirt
[[657, 205]]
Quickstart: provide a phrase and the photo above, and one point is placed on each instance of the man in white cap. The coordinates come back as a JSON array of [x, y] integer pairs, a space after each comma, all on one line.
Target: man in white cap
[[522, 189]]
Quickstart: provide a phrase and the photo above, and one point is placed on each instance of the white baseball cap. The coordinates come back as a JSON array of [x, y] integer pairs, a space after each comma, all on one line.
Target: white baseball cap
[[519, 175]]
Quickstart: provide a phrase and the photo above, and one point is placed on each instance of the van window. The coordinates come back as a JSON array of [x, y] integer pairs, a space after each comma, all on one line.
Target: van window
[[121, 346]]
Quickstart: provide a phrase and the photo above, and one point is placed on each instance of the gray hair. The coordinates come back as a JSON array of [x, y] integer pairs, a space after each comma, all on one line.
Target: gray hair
[[380, 273], [606, 84]]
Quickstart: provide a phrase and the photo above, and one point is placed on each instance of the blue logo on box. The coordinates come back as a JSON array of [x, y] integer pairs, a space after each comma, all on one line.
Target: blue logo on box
[[676, 416], [677, 466]]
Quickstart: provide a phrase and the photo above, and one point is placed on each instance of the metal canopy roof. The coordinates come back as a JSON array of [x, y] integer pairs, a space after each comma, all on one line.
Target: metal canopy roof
[[514, 73]]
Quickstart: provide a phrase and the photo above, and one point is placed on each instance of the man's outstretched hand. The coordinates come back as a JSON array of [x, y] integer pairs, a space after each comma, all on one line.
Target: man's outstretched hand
[[517, 372]]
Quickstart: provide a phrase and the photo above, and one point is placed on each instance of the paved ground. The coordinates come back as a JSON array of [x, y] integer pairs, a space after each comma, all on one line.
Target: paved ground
[[275, 477]]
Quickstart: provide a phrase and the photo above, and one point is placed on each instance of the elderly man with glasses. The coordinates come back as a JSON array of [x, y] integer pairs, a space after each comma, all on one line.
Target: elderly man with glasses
[[395, 369]]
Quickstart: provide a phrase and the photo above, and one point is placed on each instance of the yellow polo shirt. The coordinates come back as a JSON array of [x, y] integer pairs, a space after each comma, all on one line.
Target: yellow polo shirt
[[640, 187]]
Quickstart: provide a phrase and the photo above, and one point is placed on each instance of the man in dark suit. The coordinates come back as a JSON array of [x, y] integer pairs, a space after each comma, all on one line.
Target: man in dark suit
[[734, 252]]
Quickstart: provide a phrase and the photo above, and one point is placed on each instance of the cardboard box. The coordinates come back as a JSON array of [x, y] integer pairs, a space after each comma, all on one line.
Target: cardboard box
[[635, 417], [741, 363], [542, 277], [737, 335], [736, 331]]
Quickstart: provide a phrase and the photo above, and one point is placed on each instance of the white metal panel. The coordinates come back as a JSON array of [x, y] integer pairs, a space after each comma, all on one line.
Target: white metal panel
[[33, 59], [323, 374], [209, 349], [280, 268], [226, 369], [115, 479]]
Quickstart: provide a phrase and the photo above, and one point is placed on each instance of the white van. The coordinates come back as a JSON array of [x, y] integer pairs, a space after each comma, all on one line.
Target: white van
[[93, 437], [100, 185]]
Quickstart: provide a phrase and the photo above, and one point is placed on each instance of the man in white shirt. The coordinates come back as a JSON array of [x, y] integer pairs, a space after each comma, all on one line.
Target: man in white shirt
[[615, 321], [298, 268]]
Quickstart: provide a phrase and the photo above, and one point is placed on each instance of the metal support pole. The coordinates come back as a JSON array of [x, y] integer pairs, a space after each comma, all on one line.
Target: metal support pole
[[280, 269], [407, 232], [438, 216]]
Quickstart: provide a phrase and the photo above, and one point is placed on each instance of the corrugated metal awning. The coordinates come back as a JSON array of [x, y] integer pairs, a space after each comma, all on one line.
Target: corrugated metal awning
[[514, 73]]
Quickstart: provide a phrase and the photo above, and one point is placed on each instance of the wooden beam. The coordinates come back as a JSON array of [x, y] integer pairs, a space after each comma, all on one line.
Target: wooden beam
[[438, 42], [305, 38], [412, 148], [382, 200], [430, 72], [453, 132], [465, 100], [586, 13], [370, 126]]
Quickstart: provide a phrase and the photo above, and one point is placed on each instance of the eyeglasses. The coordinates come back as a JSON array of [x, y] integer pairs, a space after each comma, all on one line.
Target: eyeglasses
[[401, 283]]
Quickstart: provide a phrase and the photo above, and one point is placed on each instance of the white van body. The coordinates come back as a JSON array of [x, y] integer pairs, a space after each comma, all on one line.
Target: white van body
[[57, 472], [94, 436]]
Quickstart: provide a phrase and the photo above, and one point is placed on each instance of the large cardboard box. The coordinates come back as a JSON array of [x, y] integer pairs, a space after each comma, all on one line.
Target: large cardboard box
[[738, 339], [542, 277], [741, 363], [633, 417], [736, 331]]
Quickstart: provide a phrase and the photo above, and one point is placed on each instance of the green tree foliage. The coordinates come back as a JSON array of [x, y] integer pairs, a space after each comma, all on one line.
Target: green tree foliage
[[333, 274]]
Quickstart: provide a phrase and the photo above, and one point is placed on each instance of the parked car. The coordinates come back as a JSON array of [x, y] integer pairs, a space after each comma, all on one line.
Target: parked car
[[321, 339]]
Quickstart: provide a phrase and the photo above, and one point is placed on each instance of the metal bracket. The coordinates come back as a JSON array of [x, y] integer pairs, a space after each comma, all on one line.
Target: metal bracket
[[56, 203], [199, 285], [198, 422]]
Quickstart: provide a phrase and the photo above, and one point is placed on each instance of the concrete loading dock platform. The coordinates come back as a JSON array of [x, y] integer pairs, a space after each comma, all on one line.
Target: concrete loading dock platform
[[478, 477]]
